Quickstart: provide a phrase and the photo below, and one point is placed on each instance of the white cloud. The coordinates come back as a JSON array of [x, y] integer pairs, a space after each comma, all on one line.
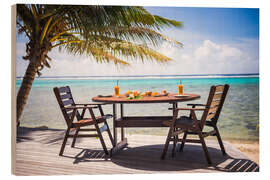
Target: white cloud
[[215, 52], [197, 57]]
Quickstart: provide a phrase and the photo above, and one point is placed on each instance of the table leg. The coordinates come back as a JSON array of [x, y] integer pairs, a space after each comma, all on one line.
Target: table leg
[[175, 105], [122, 115], [114, 126], [123, 143], [175, 138]]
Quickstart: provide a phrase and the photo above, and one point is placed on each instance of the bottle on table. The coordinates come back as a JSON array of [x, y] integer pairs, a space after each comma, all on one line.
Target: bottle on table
[[180, 88]]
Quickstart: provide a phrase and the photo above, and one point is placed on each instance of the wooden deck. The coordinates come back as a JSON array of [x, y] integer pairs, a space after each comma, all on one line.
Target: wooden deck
[[37, 154]]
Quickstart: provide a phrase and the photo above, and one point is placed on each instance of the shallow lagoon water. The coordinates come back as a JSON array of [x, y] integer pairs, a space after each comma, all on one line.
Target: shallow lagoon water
[[238, 120]]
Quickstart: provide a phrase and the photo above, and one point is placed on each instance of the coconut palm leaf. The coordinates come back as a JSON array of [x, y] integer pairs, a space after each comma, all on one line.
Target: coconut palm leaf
[[118, 48], [115, 34], [135, 34]]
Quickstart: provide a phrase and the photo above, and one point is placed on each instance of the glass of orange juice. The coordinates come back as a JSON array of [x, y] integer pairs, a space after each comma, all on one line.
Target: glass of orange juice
[[180, 88], [116, 90]]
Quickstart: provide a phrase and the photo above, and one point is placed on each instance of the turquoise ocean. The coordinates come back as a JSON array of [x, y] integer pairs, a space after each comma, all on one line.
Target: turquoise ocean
[[239, 118]]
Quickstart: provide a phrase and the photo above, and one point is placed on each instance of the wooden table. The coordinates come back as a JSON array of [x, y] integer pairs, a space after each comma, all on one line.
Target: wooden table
[[139, 121]]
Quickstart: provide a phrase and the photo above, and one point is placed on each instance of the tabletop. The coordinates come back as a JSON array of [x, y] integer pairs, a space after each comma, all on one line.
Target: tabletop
[[170, 98]]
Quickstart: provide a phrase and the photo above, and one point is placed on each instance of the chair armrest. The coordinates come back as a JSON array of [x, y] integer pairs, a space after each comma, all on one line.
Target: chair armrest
[[92, 103], [191, 109], [79, 107], [196, 105]]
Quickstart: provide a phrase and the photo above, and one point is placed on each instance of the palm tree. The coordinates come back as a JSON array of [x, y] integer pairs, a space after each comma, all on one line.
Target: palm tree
[[105, 33]]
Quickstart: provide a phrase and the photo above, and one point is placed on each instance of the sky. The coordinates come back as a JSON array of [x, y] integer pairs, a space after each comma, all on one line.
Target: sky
[[216, 41]]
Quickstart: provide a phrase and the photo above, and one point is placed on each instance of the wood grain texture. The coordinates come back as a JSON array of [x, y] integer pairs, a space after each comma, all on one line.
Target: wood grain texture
[[192, 125], [37, 154], [61, 94], [147, 99]]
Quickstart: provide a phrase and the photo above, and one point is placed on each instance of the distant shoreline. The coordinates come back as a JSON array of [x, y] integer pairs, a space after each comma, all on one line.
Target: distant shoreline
[[152, 76]]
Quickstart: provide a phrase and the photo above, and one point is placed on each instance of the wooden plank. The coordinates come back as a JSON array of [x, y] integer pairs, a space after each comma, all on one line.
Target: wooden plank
[[177, 132], [69, 110], [107, 116], [210, 116], [253, 168], [215, 103], [153, 118], [63, 89], [217, 96], [68, 102], [245, 166], [219, 88], [39, 156], [66, 96], [70, 113], [170, 98], [85, 135], [81, 129], [213, 110], [189, 140], [141, 121], [51, 168], [210, 133]]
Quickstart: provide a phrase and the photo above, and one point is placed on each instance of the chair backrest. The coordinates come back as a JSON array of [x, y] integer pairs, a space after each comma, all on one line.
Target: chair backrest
[[65, 99], [214, 103]]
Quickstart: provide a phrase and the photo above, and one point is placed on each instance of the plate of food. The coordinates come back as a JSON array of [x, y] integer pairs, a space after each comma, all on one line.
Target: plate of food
[[104, 95], [159, 95]]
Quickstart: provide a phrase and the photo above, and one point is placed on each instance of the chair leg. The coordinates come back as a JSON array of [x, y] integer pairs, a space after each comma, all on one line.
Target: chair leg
[[108, 129], [220, 141], [75, 137], [165, 149], [183, 142], [64, 142], [101, 140], [174, 145], [204, 148], [109, 132]]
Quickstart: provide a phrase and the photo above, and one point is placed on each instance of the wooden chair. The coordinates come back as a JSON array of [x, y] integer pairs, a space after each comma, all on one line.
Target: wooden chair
[[191, 125], [70, 111]]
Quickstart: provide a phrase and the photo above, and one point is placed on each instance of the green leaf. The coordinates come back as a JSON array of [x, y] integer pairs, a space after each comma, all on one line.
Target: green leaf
[[44, 31], [116, 34]]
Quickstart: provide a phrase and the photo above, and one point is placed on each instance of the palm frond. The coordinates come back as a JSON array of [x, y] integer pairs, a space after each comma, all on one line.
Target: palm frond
[[103, 56], [138, 34], [44, 31], [66, 42], [108, 33], [118, 48], [25, 17]]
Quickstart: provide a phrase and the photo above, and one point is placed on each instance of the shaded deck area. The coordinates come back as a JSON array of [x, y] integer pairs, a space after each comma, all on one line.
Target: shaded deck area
[[37, 154]]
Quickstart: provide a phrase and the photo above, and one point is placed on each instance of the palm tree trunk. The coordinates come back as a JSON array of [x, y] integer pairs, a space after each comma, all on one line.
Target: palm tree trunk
[[25, 88]]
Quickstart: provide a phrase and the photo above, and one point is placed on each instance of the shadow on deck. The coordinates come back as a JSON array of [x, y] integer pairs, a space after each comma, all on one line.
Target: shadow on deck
[[147, 158], [141, 156]]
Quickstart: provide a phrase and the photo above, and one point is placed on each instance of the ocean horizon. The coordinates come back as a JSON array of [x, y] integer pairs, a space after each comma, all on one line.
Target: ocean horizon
[[152, 76]]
